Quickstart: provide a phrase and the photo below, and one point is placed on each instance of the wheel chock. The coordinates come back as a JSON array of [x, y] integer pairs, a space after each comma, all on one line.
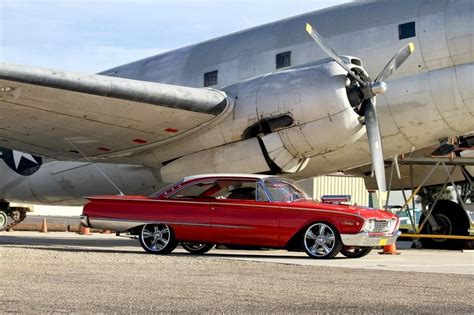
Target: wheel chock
[[44, 226], [390, 250], [85, 230]]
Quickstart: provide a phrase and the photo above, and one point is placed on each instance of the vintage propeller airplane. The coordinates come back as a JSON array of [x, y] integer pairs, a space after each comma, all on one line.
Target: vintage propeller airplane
[[264, 100]]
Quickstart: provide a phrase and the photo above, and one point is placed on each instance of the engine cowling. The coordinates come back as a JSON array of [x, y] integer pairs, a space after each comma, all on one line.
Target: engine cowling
[[316, 99]]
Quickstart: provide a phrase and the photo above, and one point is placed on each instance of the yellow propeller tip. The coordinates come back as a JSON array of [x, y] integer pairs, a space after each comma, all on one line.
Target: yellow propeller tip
[[309, 28], [411, 46]]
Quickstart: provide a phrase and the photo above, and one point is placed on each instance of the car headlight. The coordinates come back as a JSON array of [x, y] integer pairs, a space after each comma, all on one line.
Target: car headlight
[[369, 225]]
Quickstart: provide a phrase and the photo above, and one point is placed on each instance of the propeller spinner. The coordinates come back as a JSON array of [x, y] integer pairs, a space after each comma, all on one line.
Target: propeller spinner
[[366, 90]]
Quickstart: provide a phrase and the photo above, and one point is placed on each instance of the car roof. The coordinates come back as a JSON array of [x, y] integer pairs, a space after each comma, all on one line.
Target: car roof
[[226, 175]]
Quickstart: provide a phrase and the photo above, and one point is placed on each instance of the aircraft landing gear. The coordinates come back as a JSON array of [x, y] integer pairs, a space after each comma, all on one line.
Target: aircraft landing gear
[[450, 219], [3, 220], [16, 214]]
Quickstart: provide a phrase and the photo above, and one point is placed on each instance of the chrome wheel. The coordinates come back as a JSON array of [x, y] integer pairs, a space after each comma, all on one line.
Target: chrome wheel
[[355, 252], [157, 239], [196, 248], [321, 240]]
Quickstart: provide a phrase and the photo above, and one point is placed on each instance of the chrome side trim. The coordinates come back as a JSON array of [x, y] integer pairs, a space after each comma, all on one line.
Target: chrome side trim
[[122, 225]]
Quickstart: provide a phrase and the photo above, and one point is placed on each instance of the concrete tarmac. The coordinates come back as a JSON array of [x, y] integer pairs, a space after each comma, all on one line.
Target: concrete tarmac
[[66, 272]]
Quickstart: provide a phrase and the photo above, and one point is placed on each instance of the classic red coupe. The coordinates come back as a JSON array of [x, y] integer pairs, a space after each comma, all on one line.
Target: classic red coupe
[[247, 210]]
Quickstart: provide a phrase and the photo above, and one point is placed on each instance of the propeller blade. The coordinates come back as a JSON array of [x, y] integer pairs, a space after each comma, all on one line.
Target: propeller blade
[[375, 143], [396, 62], [325, 46]]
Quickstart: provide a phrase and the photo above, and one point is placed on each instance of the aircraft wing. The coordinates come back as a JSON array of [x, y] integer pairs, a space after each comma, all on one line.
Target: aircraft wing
[[43, 111]]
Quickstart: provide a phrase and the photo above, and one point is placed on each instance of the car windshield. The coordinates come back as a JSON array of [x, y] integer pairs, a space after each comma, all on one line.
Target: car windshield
[[283, 190]]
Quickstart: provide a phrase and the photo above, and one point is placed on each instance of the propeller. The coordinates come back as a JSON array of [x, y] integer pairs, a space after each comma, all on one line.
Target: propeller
[[362, 93]]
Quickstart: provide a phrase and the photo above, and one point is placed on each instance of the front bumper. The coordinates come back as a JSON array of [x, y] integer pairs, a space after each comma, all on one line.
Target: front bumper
[[365, 239]]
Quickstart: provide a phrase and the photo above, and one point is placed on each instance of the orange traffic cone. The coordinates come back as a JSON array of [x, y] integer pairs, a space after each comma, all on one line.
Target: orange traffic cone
[[390, 250], [44, 226], [84, 230]]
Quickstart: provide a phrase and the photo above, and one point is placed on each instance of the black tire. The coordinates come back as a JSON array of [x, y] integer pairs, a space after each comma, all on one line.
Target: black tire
[[157, 238], [3, 220], [452, 221], [321, 241], [196, 248], [355, 252]]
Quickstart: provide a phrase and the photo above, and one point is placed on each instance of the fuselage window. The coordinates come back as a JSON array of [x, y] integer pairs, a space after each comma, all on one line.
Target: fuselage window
[[210, 78], [283, 60], [406, 30]]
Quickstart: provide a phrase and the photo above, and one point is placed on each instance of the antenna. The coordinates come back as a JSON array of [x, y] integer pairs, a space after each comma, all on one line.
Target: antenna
[[96, 167]]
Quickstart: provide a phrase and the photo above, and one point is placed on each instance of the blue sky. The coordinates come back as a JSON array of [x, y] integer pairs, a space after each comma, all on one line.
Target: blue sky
[[90, 36]]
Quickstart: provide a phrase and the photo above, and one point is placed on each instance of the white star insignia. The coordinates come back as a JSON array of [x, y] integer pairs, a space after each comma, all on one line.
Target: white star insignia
[[17, 156]]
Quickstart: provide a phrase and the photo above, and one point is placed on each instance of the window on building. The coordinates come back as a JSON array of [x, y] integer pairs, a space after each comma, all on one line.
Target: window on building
[[406, 30], [283, 60], [210, 78]]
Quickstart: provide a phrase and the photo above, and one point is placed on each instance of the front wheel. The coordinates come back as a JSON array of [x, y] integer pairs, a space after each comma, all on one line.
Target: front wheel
[[321, 240], [355, 252], [196, 248], [157, 239]]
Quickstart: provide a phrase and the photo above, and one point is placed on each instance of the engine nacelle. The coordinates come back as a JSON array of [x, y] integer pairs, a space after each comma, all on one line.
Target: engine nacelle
[[316, 99]]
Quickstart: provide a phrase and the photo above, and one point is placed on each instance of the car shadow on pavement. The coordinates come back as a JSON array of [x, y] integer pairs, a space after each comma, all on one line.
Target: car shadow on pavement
[[123, 245], [73, 249], [105, 243], [263, 256]]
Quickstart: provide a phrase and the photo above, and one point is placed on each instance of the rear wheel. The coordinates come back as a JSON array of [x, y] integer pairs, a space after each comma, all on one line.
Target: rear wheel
[[355, 252], [196, 248], [157, 239], [321, 240]]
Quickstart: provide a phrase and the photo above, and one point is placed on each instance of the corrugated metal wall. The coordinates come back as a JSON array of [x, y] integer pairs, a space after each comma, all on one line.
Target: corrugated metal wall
[[337, 185]]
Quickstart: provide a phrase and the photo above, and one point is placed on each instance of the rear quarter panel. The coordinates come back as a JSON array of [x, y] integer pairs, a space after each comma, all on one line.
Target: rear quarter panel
[[189, 220]]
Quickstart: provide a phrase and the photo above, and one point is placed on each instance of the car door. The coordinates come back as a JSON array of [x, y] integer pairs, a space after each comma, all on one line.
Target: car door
[[189, 212], [240, 221]]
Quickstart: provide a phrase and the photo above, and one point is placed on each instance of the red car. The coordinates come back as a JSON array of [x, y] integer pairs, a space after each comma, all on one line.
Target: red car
[[247, 210]]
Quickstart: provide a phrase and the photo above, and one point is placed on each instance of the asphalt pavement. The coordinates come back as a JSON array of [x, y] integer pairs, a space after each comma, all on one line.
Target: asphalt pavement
[[66, 272]]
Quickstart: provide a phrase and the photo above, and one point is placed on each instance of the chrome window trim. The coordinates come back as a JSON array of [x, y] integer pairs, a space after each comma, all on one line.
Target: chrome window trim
[[265, 191]]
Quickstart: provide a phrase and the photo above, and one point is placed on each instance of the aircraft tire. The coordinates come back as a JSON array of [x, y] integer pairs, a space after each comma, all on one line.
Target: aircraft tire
[[452, 220], [3, 220]]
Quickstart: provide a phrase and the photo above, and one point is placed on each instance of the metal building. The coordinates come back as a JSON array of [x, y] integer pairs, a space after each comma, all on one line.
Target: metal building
[[316, 187]]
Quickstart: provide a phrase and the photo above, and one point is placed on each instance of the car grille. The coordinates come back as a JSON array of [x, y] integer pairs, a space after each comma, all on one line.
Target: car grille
[[382, 226]]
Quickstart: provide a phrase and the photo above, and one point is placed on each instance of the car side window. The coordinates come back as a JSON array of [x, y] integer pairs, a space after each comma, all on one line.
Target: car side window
[[237, 190], [193, 191]]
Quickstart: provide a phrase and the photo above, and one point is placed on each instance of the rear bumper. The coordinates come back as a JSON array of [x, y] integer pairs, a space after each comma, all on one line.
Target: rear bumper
[[364, 239]]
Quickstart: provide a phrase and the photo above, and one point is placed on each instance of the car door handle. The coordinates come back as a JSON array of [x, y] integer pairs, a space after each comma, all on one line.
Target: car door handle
[[212, 208]]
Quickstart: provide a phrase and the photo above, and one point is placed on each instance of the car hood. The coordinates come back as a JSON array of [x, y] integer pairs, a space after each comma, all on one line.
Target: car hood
[[356, 210]]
